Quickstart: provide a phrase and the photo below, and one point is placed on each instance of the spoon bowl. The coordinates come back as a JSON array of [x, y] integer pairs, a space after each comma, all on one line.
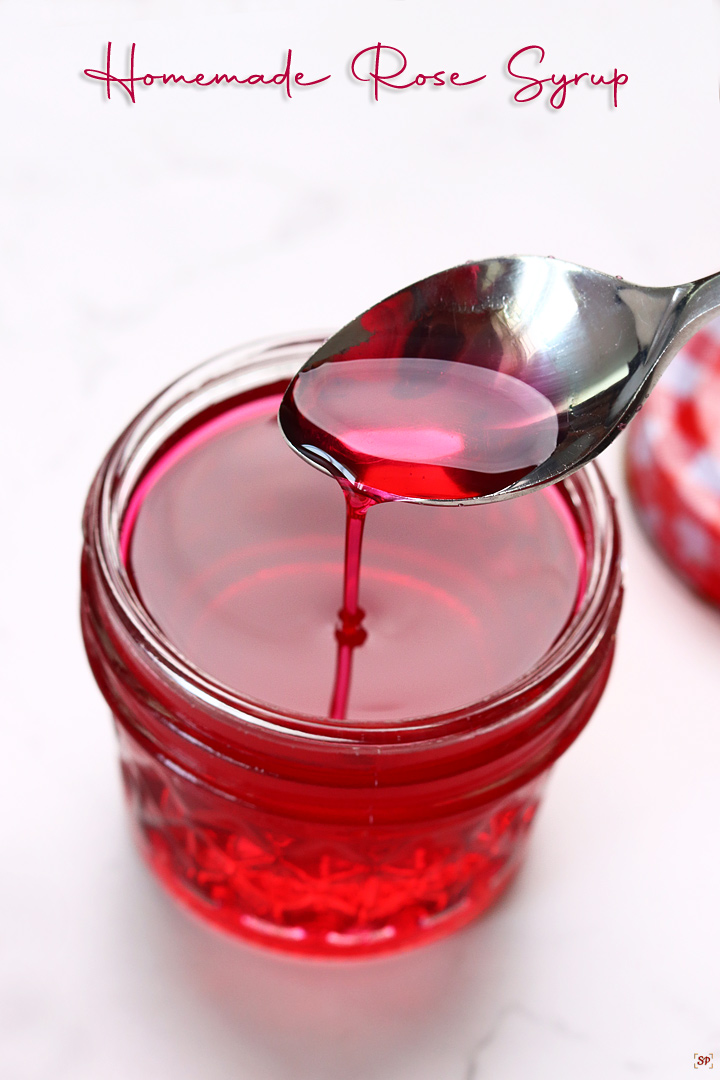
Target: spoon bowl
[[517, 371]]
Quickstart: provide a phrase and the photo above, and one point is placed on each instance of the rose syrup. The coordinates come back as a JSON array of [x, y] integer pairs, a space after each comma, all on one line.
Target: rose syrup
[[235, 548], [385, 834], [417, 427]]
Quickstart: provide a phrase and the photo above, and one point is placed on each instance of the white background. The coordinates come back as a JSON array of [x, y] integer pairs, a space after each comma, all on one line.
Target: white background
[[136, 240]]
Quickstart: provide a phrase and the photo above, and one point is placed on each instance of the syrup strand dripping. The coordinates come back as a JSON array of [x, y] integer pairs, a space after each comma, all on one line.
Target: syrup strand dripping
[[349, 632]]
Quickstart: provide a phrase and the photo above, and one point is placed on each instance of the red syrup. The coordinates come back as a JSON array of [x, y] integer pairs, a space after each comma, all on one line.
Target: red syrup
[[417, 427], [478, 655], [234, 547]]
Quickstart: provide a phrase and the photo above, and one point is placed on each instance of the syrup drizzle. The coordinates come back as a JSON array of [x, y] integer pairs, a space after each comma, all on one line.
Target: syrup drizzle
[[350, 632], [409, 428]]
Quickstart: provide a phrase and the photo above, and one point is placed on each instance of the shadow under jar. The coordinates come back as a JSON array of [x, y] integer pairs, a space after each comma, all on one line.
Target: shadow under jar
[[211, 582]]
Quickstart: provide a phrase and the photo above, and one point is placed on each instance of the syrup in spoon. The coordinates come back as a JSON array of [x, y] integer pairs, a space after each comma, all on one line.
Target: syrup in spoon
[[418, 427], [489, 379]]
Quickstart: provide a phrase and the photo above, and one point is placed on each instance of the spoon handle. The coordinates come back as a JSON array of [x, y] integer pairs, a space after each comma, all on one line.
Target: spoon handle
[[691, 307]]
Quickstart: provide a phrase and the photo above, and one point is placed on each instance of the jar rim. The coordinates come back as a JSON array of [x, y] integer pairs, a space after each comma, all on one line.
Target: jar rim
[[256, 364]]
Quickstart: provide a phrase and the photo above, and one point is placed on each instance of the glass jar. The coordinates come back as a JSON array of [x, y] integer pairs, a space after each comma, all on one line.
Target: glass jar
[[307, 834]]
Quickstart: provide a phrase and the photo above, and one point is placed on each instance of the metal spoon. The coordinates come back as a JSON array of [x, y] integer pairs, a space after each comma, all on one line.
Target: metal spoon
[[590, 346]]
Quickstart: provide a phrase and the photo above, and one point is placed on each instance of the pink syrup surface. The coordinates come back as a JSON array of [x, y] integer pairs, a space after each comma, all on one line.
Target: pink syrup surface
[[235, 547]]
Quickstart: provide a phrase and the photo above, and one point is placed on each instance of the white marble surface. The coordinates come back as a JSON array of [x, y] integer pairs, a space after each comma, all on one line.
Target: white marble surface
[[138, 239]]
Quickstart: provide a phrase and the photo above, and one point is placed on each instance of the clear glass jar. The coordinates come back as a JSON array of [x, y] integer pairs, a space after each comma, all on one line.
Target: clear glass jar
[[307, 834]]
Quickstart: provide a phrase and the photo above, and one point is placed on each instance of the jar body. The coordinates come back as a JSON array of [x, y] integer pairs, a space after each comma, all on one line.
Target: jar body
[[319, 887], [308, 836]]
